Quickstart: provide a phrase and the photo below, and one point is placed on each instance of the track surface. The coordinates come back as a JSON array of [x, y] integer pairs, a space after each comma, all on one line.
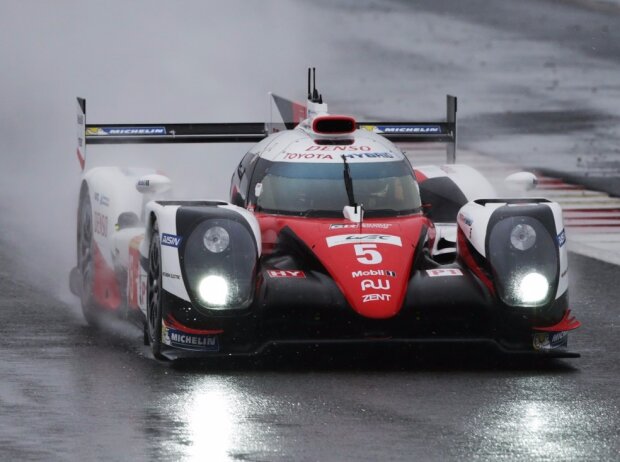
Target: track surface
[[70, 393]]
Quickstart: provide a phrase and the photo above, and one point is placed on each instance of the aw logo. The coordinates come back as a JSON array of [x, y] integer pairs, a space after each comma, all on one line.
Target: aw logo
[[379, 284], [171, 240]]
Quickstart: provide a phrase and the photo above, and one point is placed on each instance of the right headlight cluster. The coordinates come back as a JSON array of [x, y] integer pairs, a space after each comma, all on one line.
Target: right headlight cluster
[[524, 260]]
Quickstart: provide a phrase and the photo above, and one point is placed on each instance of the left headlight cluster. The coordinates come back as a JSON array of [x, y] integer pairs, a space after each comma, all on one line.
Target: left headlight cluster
[[219, 260], [525, 261]]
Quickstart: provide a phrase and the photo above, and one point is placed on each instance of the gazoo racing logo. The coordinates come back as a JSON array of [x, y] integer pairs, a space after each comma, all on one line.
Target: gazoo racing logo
[[363, 239], [171, 240]]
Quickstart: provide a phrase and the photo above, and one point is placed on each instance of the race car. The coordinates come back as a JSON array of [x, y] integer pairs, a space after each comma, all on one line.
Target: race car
[[329, 236]]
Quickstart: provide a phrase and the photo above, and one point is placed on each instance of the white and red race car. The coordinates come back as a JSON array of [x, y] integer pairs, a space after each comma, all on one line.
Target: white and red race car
[[329, 236]]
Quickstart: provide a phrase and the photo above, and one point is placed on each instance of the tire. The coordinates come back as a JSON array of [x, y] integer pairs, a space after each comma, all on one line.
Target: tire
[[85, 259], [154, 295]]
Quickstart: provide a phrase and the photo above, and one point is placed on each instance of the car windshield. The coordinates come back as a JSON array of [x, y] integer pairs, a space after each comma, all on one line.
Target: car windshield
[[318, 189]]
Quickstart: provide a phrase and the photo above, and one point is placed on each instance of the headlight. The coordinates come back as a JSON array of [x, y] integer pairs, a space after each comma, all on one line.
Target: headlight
[[522, 237], [213, 290], [533, 288], [216, 239], [524, 256]]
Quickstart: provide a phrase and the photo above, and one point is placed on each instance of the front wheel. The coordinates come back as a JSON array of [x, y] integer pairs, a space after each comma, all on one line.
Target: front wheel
[[154, 295]]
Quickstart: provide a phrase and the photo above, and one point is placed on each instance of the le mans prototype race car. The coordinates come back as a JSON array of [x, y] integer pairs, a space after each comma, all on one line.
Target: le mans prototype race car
[[329, 236]]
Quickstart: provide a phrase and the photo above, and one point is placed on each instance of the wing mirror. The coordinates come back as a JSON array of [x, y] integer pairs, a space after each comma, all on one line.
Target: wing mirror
[[522, 181], [353, 213], [153, 184]]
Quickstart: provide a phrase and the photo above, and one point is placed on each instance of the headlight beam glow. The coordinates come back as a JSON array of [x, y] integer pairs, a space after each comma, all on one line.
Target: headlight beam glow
[[213, 290], [533, 288]]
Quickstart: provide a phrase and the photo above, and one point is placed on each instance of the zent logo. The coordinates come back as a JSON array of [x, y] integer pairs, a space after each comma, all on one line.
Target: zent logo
[[367, 255], [171, 240], [376, 298], [380, 284]]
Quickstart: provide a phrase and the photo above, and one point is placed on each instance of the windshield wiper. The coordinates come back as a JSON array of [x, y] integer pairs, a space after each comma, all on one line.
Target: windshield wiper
[[348, 182]]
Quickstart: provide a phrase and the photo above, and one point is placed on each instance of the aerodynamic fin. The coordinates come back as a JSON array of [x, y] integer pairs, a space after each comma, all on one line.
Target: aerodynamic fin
[[288, 113], [284, 114]]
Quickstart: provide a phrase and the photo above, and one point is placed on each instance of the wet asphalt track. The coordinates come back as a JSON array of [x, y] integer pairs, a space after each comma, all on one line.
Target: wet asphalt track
[[70, 393]]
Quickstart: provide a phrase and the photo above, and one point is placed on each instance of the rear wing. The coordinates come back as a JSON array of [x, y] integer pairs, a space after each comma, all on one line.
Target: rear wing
[[287, 115]]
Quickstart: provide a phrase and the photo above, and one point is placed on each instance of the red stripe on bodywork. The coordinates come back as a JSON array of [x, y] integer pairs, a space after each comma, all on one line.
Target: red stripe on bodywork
[[586, 217], [593, 209], [134, 272], [171, 322], [594, 225], [567, 323], [106, 290], [299, 112], [420, 176], [81, 158], [470, 261]]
